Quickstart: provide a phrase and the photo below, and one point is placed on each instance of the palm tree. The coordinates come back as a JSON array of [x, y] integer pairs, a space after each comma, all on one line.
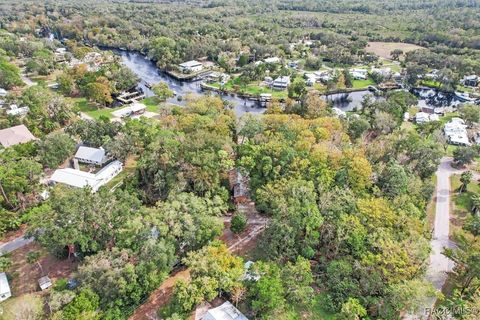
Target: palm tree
[[475, 203], [465, 179]]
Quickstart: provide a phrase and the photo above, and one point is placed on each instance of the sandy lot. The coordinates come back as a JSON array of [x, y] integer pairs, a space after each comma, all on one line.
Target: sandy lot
[[383, 49]]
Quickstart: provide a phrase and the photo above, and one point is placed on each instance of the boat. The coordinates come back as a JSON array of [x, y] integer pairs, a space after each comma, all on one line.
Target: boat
[[463, 96]]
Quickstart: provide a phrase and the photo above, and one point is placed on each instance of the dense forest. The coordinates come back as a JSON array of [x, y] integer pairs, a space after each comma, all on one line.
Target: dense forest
[[345, 199]]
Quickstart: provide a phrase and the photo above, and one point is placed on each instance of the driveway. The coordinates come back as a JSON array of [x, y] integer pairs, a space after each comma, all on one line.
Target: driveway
[[14, 244], [439, 264]]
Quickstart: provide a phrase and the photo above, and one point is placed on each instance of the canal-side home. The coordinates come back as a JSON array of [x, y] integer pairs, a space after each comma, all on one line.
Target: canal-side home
[[191, 66], [281, 83], [95, 156]]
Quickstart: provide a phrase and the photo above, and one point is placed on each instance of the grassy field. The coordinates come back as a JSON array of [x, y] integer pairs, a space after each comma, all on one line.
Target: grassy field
[[360, 84], [463, 203], [152, 104], [383, 49], [28, 306], [92, 110]]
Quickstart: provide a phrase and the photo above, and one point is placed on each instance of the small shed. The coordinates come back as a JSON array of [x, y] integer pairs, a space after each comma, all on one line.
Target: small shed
[[44, 283], [5, 292]]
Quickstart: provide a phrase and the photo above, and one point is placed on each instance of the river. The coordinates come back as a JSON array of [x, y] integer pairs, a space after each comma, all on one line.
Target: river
[[148, 72]]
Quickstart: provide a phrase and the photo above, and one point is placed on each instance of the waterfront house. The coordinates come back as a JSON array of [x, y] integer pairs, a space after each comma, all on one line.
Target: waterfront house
[[470, 81], [359, 74], [456, 132], [191, 66], [281, 83], [15, 135]]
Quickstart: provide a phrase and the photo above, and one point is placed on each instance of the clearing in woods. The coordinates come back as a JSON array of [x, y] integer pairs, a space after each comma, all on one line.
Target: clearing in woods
[[383, 49]]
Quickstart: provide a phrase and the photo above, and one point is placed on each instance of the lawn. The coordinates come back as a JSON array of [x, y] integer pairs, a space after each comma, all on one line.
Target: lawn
[[315, 311], [152, 104], [28, 306], [92, 110], [463, 203], [430, 83], [360, 84]]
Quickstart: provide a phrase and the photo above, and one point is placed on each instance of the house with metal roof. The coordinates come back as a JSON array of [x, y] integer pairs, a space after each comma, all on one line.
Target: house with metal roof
[[15, 135], [80, 179], [5, 292], [89, 155], [191, 66], [224, 312]]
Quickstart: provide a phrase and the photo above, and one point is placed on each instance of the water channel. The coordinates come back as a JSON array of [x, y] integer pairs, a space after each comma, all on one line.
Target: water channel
[[148, 72]]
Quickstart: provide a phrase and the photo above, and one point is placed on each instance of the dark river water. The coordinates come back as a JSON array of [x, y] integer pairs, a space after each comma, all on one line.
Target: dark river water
[[148, 72]]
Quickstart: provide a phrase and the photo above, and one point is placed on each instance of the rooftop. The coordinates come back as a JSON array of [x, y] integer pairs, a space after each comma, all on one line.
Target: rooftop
[[15, 135], [189, 64], [224, 312], [4, 286], [92, 154]]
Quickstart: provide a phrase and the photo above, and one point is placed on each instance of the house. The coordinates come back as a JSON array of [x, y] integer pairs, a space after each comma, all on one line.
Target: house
[[470, 81], [406, 116], [15, 135], [44, 283], [5, 292], [16, 111], [423, 117], [224, 312], [272, 60], [456, 132], [384, 72], [359, 74], [191, 66], [135, 109], [3, 92], [81, 179], [89, 155], [311, 79], [281, 83]]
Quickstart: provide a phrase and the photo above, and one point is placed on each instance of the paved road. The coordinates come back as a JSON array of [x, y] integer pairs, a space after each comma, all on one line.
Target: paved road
[[14, 244], [439, 264]]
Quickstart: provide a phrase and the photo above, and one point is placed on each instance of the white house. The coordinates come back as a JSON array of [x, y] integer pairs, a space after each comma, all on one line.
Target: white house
[[339, 112], [470, 81], [224, 312], [423, 117], [456, 132], [5, 292], [3, 92], [135, 109], [272, 60], [81, 179], [16, 111], [359, 74], [89, 155], [191, 66], [281, 83]]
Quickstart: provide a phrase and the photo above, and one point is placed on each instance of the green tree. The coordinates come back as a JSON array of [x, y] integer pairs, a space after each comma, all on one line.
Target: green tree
[[352, 310], [463, 156], [393, 180], [9, 75], [465, 179], [297, 88], [267, 294], [162, 91], [238, 223], [84, 306], [55, 149], [470, 113]]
